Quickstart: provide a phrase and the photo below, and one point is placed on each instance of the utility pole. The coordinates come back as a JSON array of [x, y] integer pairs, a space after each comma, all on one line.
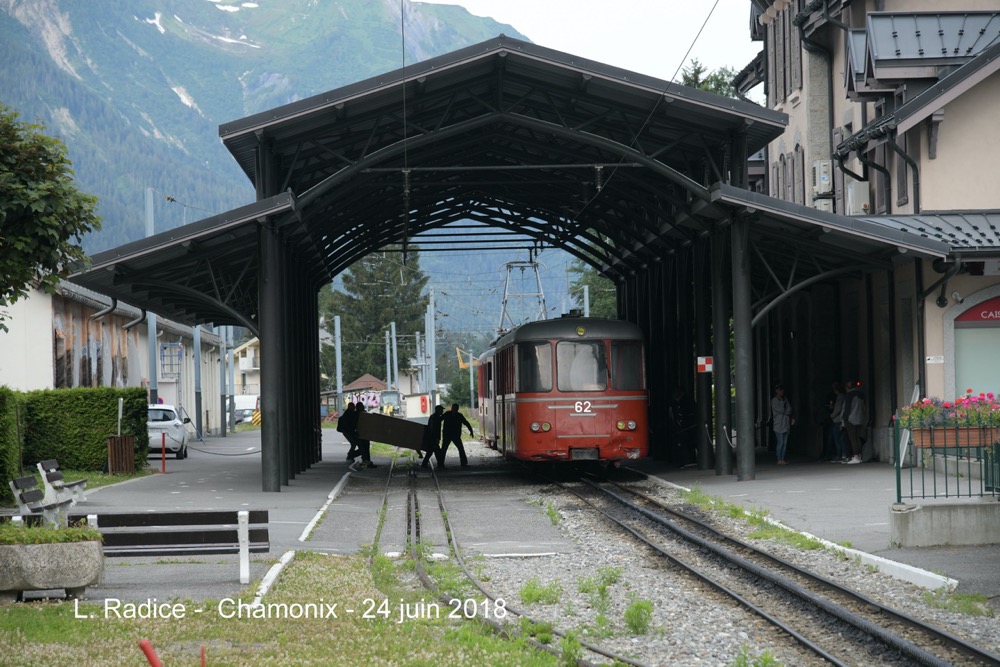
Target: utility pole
[[340, 374], [153, 345], [231, 415], [431, 351], [472, 382], [395, 357], [197, 381], [388, 361], [223, 421]]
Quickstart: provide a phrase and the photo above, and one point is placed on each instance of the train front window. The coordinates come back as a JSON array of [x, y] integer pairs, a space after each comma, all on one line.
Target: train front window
[[626, 366], [534, 367], [581, 366]]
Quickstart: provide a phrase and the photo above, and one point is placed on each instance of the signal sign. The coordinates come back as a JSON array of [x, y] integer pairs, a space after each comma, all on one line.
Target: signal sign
[[704, 364]]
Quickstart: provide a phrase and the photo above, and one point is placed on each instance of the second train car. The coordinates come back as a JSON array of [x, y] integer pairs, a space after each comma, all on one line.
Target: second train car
[[569, 389]]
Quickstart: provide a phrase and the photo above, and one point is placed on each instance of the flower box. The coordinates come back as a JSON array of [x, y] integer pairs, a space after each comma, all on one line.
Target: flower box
[[954, 436], [969, 421]]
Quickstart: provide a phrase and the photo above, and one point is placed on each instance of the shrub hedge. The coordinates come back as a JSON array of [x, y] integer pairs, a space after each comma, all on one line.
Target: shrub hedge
[[10, 450], [73, 425]]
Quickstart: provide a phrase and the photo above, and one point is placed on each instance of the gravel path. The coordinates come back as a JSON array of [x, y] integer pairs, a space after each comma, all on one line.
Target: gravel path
[[690, 624]]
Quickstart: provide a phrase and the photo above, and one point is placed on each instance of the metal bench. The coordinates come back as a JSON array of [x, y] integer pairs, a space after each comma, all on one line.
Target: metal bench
[[56, 486], [184, 534], [31, 501]]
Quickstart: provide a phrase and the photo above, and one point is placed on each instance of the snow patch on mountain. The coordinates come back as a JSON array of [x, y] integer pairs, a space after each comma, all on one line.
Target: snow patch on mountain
[[186, 99], [155, 21], [52, 26]]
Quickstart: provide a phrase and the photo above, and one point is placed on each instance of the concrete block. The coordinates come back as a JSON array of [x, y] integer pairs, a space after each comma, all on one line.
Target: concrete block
[[945, 524]]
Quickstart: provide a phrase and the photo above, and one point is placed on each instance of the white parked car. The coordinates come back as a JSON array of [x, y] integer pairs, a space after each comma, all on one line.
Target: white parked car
[[164, 420]]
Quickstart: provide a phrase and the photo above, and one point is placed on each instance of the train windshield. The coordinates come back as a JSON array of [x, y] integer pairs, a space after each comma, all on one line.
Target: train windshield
[[582, 366], [534, 366], [626, 366]]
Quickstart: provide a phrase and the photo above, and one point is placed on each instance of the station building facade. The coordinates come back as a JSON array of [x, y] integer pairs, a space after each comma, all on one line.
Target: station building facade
[[891, 119]]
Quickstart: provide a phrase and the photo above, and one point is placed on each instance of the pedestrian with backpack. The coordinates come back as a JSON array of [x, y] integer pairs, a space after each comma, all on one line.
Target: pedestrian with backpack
[[855, 419]]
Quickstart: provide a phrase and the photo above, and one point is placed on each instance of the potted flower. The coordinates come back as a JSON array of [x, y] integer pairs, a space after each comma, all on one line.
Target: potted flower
[[971, 420], [34, 558]]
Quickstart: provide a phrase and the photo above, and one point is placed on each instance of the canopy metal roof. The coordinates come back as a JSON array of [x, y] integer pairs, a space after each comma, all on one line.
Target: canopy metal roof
[[548, 148]]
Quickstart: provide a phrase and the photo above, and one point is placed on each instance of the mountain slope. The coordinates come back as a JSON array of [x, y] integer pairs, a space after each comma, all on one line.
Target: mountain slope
[[137, 88]]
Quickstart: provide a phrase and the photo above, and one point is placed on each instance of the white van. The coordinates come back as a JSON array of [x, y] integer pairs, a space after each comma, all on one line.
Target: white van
[[244, 406]]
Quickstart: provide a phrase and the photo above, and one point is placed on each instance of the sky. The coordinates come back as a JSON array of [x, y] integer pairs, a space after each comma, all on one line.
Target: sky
[[646, 36], [651, 37]]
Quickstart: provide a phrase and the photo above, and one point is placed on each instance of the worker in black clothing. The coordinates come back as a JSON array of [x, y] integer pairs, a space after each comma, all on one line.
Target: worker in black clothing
[[347, 424], [451, 427], [432, 434], [364, 446]]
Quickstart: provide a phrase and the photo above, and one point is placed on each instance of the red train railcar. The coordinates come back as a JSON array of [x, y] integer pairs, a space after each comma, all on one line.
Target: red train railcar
[[571, 389]]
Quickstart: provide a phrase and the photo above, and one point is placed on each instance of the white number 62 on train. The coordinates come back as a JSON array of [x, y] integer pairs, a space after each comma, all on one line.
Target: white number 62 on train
[[581, 406]]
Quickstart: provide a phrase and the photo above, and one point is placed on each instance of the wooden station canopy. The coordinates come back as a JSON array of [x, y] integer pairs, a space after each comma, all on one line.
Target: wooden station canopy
[[500, 144]]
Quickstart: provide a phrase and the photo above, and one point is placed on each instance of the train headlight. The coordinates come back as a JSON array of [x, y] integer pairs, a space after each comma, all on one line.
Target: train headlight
[[620, 425], [631, 425], [624, 425], [535, 427], [546, 427]]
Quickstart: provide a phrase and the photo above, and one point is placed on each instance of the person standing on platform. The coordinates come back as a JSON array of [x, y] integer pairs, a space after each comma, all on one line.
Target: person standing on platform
[[432, 436], [364, 446], [837, 416], [451, 432], [855, 419], [347, 425], [781, 422]]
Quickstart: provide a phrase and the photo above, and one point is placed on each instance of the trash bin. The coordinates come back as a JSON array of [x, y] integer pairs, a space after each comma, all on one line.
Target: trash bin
[[121, 454]]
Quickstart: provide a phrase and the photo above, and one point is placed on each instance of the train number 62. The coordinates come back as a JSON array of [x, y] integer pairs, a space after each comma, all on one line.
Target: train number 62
[[581, 406]]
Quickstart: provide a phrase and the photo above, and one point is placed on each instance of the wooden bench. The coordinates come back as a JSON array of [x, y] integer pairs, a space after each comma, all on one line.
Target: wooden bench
[[31, 501], [184, 534], [56, 486]]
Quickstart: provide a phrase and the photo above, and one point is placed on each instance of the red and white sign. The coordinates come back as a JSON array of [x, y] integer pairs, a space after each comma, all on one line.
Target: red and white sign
[[704, 364], [987, 311]]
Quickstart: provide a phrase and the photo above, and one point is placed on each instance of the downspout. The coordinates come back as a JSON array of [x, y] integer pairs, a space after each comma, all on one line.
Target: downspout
[[916, 172], [110, 309], [137, 321], [840, 163], [888, 179]]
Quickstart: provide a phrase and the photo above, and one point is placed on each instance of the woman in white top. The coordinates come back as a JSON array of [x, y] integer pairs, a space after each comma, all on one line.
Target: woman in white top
[[781, 422]]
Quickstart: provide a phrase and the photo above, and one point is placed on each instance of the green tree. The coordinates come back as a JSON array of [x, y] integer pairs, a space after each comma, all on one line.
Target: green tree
[[719, 81], [377, 290], [43, 216], [602, 294]]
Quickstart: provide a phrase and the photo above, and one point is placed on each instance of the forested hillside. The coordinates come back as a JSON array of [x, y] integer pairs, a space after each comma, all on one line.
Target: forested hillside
[[137, 88]]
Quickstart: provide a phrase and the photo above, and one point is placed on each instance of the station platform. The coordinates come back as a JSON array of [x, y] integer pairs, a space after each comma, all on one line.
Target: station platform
[[338, 509]]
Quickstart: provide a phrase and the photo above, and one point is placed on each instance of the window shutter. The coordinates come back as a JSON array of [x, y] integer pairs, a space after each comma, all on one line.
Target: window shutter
[[779, 64], [795, 52]]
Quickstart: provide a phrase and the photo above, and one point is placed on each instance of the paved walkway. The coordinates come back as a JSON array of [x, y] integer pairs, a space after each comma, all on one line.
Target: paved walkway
[[839, 503]]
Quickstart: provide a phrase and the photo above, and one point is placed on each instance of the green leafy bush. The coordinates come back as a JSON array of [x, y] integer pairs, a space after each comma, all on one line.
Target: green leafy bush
[[534, 591], [638, 616], [73, 425], [10, 449], [11, 534]]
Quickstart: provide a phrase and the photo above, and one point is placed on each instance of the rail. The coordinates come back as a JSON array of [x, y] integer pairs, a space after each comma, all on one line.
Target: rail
[[946, 462]]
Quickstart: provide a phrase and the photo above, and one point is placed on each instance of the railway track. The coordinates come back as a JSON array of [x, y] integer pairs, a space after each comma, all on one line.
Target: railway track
[[424, 497], [834, 624]]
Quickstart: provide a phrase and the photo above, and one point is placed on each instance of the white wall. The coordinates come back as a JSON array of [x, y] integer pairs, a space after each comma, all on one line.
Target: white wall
[[26, 349]]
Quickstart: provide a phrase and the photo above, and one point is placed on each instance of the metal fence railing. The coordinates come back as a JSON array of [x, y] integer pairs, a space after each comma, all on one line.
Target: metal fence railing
[[947, 462]]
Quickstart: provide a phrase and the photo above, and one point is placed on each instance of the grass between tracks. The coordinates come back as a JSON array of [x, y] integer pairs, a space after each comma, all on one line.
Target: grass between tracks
[[53, 633]]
